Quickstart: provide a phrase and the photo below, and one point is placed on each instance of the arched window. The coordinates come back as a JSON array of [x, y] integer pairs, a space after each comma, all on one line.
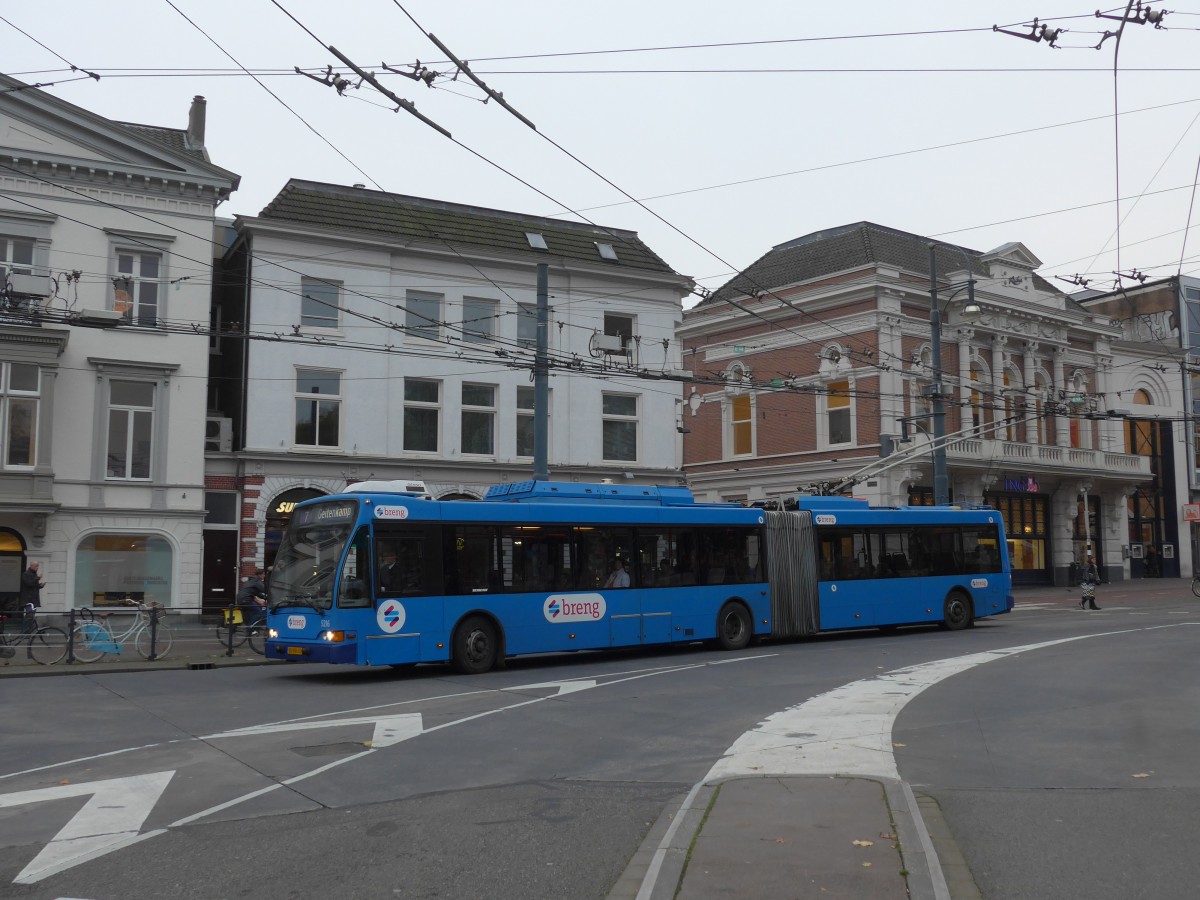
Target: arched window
[[1011, 423], [1077, 406], [920, 407], [1040, 387], [1139, 438], [978, 419]]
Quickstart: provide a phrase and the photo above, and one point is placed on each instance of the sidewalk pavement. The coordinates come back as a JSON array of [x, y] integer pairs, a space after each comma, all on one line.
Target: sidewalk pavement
[[193, 646], [762, 836]]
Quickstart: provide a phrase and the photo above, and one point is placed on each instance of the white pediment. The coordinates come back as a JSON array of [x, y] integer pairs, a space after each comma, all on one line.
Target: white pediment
[[19, 135], [40, 128], [1014, 254]]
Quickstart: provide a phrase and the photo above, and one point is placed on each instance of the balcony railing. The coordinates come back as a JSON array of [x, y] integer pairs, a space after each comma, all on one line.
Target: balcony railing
[[1047, 458]]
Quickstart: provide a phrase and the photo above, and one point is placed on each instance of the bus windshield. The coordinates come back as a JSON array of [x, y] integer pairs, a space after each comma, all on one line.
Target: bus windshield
[[305, 569]]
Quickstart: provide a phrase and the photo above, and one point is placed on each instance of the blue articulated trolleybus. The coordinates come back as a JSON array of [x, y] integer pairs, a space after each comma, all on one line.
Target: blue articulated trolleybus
[[383, 575]]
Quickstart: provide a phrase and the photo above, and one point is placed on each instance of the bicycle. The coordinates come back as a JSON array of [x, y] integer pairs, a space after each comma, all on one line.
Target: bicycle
[[94, 635], [1196, 585], [234, 632], [45, 645]]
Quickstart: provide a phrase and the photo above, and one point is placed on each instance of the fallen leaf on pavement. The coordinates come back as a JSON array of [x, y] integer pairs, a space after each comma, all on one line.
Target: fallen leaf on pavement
[[863, 843]]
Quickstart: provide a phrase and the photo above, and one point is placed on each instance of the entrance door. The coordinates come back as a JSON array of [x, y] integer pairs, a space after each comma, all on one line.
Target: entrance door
[[12, 564], [218, 586]]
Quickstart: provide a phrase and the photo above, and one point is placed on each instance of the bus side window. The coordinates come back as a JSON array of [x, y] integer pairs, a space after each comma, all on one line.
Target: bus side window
[[406, 560]]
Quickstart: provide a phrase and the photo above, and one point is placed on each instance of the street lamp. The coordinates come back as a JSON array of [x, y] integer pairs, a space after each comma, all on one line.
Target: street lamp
[[941, 483]]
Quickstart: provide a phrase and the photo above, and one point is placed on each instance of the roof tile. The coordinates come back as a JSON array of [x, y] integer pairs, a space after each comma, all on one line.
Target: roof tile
[[434, 221]]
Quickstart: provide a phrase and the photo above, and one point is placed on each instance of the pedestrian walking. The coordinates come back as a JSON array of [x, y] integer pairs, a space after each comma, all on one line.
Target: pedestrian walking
[[1088, 579]]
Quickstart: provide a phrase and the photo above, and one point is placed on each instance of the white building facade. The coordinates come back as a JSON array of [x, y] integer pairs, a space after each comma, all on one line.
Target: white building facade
[[106, 253], [405, 340]]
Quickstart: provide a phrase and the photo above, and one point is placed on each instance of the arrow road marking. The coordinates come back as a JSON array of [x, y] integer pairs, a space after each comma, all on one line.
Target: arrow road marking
[[118, 807], [110, 820], [389, 730]]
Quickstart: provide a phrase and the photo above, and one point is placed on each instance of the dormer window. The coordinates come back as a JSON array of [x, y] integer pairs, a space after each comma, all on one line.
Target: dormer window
[[606, 251]]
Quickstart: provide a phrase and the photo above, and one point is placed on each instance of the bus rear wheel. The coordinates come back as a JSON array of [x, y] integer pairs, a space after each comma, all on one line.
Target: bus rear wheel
[[734, 628], [475, 646], [956, 614]]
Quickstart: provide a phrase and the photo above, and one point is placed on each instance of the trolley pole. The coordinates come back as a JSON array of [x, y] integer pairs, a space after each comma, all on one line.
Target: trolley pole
[[541, 377]]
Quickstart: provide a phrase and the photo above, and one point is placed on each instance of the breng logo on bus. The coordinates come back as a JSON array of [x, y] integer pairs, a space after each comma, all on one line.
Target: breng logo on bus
[[574, 608], [391, 512], [390, 616], [826, 519]]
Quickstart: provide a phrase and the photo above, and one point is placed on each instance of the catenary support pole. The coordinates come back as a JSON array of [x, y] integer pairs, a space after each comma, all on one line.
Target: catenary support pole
[[941, 484], [541, 378]]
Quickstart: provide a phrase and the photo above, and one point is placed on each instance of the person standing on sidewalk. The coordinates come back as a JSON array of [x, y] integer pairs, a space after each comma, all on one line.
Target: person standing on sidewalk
[[1088, 579], [31, 596]]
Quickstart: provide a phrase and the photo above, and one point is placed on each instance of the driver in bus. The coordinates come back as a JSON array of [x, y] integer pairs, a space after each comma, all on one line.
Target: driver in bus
[[619, 577], [389, 573]]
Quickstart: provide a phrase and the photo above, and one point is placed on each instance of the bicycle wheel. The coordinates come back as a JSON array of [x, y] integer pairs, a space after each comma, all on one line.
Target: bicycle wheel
[[255, 635], [1196, 587], [224, 634], [90, 639], [162, 641], [48, 645]]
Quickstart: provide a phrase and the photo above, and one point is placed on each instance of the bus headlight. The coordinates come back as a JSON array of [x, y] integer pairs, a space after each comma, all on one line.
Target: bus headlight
[[272, 633], [335, 637]]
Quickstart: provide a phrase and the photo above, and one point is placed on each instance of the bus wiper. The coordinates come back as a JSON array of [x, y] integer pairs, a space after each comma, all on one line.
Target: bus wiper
[[306, 602]]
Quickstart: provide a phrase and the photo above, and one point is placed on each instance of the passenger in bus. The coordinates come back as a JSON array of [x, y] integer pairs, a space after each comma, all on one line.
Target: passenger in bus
[[619, 577]]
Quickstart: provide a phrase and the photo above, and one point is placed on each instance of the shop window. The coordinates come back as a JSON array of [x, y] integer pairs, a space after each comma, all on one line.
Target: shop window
[[111, 569]]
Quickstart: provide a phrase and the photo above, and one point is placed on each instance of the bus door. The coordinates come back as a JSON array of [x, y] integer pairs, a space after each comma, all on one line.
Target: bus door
[[608, 576], [845, 572], [406, 612]]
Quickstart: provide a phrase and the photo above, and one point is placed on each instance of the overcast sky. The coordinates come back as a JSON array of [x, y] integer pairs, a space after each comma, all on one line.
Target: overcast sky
[[804, 118]]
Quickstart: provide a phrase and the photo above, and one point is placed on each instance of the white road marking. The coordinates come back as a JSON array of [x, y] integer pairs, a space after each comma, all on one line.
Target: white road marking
[[81, 839], [388, 729], [111, 819], [847, 731]]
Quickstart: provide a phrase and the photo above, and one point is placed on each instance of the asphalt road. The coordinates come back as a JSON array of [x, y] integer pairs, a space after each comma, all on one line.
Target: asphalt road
[[544, 778], [1071, 772]]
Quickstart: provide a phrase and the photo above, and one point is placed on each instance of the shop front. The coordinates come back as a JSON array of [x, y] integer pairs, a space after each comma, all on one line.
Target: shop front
[[1026, 513], [278, 514]]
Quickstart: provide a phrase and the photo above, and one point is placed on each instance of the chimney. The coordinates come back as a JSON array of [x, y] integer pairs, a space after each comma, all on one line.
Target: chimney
[[195, 129]]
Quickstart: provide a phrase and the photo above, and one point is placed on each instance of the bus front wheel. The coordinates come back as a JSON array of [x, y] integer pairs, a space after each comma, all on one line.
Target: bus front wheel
[[475, 646], [734, 628], [956, 614]]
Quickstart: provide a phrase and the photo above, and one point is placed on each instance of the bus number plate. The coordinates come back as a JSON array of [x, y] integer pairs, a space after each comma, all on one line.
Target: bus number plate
[[295, 651]]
